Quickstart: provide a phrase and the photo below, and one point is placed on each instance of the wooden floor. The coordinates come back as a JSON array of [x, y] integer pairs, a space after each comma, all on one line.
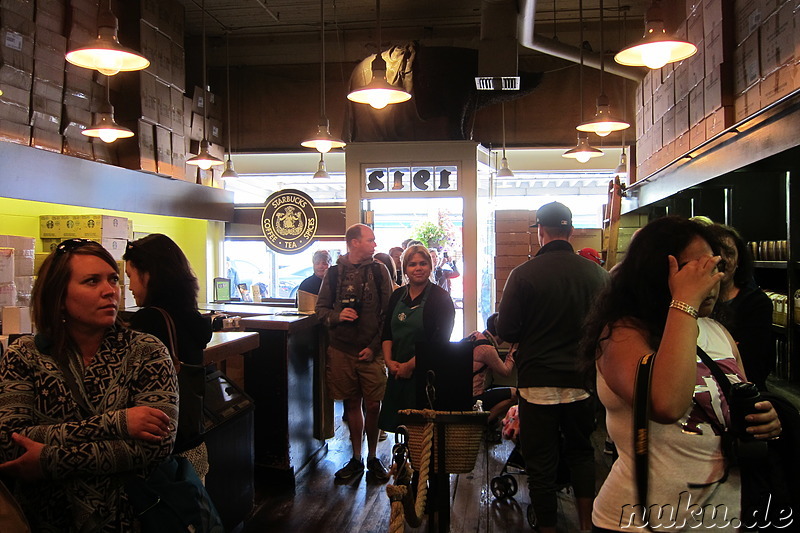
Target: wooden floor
[[321, 504]]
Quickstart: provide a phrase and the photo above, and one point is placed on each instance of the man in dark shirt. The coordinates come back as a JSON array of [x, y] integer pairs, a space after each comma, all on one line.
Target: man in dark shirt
[[544, 304], [322, 262]]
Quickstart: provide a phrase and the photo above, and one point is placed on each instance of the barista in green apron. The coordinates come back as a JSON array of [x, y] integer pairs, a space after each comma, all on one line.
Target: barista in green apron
[[407, 331]]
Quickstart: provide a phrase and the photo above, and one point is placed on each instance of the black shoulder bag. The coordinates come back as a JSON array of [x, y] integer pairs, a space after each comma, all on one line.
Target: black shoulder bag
[[191, 391]]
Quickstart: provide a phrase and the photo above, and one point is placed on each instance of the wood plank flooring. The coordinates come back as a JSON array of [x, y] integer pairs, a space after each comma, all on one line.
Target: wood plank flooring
[[322, 504]]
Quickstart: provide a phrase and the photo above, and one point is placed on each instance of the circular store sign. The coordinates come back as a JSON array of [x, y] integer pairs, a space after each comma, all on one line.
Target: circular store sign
[[289, 221]]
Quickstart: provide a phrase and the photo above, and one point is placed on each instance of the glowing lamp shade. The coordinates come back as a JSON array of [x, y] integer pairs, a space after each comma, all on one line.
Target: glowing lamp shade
[[321, 173], [204, 160], [229, 171], [378, 92], [622, 168], [504, 171], [656, 48], [104, 53], [583, 152], [104, 127], [603, 122], [323, 141]]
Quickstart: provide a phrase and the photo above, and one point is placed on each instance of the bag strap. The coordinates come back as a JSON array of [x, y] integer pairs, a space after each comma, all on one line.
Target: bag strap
[[722, 380], [171, 337], [641, 422]]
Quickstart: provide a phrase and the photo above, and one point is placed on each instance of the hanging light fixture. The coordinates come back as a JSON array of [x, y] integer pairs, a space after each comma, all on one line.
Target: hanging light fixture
[[379, 92], [504, 171], [656, 48], [323, 141], [604, 122], [105, 54], [104, 125], [622, 169], [583, 152], [321, 173], [204, 160], [229, 171]]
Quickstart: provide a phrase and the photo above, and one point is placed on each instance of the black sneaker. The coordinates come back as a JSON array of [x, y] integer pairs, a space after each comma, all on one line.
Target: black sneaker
[[376, 468], [353, 468]]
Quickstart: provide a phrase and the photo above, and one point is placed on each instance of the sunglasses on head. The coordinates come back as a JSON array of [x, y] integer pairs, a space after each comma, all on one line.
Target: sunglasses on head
[[72, 244]]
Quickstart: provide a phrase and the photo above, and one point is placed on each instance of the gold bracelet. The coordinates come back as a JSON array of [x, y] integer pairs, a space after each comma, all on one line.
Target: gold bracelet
[[686, 308]]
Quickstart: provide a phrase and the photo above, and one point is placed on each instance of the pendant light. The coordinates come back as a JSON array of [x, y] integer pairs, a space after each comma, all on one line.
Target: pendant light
[[622, 169], [583, 152], [604, 122], [204, 160], [229, 172], [504, 171], [379, 92], [656, 48], [321, 173], [104, 53], [104, 125], [322, 141]]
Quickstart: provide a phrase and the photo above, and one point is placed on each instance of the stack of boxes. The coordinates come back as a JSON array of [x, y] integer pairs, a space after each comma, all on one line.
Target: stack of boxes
[[152, 101], [516, 242], [16, 282], [111, 232], [746, 60], [47, 102]]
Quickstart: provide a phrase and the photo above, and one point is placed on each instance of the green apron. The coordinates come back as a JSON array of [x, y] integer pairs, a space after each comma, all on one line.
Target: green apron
[[407, 331]]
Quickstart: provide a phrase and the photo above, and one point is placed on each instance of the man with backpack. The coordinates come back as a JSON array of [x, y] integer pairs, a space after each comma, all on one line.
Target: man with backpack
[[352, 304]]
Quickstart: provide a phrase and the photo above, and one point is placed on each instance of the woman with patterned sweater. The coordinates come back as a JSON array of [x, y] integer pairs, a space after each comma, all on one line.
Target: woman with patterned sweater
[[85, 403]]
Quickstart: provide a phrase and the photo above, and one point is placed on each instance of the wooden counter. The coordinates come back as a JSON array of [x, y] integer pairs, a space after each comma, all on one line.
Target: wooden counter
[[224, 344], [283, 376]]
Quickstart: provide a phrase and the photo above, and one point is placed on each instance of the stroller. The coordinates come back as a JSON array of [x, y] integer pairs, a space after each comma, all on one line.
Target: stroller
[[505, 484]]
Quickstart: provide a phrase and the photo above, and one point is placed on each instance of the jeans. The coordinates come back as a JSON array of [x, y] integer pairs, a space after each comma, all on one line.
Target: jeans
[[541, 431]]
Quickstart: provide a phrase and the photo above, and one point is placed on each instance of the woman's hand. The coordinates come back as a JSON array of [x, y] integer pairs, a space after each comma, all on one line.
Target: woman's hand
[[147, 423], [393, 367], [405, 370], [692, 282], [765, 425], [27, 466]]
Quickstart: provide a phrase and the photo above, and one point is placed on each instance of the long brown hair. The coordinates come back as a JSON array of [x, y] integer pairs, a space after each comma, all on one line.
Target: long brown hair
[[49, 295]]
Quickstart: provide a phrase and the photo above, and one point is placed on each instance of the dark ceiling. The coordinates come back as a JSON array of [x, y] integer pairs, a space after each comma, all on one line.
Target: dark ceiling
[[270, 32]]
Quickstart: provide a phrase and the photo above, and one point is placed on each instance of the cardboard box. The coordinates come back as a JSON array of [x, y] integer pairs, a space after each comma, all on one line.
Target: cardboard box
[[46, 114], [103, 227], [719, 121], [163, 58], [178, 157], [509, 261], [6, 265], [138, 98], [39, 260], [116, 247], [198, 128], [164, 103], [71, 227], [746, 64], [74, 121], [697, 134], [779, 83], [747, 103], [138, 152], [178, 65], [44, 139], [778, 39], [717, 88], [50, 226], [16, 320], [23, 253], [78, 147], [49, 245], [697, 109], [163, 150], [15, 77], [8, 294], [512, 238], [747, 16]]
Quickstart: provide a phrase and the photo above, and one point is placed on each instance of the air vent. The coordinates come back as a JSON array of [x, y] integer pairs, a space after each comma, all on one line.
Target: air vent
[[497, 49], [505, 83]]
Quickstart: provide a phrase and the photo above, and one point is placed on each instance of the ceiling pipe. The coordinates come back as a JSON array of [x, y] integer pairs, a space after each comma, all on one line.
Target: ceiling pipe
[[529, 39]]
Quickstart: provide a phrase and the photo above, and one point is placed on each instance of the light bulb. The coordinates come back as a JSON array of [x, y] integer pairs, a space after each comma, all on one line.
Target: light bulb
[[583, 157], [323, 147], [603, 133], [108, 136], [204, 164], [655, 56], [379, 99], [109, 63]]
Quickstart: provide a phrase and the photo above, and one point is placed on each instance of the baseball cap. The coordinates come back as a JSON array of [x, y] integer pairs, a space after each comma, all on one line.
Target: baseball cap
[[553, 214], [592, 255]]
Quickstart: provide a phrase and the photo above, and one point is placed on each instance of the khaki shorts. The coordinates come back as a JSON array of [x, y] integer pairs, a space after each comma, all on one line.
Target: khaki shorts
[[347, 377]]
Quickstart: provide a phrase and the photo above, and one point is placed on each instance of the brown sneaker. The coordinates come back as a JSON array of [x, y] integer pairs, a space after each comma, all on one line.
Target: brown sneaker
[[376, 468]]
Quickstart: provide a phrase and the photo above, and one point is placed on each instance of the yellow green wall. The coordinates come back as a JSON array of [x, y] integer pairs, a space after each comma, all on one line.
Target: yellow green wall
[[200, 240]]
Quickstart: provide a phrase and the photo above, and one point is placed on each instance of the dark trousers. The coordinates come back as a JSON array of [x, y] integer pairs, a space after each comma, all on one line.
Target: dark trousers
[[541, 430]]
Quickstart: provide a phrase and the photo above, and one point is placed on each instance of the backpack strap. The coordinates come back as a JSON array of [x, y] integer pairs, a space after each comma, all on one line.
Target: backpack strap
[[333, 282]]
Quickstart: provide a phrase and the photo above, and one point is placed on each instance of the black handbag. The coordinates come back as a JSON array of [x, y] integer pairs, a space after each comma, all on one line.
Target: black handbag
[[191, 390], [173, 499]]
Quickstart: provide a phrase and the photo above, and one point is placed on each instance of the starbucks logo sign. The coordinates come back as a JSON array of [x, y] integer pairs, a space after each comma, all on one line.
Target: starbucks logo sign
[[289, 221]]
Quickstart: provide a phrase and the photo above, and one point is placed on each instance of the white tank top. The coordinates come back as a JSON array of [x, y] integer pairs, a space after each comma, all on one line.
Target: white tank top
[[682, 453]]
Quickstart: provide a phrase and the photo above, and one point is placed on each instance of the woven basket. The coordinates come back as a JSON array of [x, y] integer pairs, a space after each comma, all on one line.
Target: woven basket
[[463, 436]]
